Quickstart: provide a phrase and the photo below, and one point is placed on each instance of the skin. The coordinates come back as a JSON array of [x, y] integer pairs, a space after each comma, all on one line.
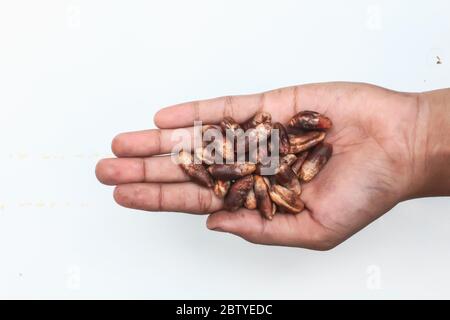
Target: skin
[[388, 147]]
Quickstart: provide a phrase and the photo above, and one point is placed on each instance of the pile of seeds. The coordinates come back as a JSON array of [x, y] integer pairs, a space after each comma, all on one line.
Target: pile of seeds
[[243, 183]]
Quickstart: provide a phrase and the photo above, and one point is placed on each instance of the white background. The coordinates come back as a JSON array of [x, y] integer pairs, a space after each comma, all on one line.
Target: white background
[[75, 73]]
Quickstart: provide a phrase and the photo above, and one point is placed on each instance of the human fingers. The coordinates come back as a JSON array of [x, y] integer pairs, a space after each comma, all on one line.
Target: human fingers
[[179, 197]]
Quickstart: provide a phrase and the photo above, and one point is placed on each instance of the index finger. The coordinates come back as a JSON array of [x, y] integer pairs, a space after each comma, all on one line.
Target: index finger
[[281, 103], [209, 111]]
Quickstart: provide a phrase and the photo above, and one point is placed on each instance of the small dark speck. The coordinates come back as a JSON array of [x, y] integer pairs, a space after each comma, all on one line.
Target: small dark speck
[[438, 60], [20, 274]]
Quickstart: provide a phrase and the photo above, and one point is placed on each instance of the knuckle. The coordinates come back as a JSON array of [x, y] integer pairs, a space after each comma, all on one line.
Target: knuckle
[[160, 198], [228, 106], [204, 200], [196, 110], [158, 141]]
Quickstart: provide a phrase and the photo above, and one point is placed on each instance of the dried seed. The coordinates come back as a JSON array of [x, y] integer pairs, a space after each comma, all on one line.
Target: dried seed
[[284, 174], [217, 143], [238, 193], [310, 120], [204, 156], [250, 201], [228, 123], [231, 171], [263, 131], [315, 161], [196, 171], [259, 118], [289, 159], [262, 117], [305, 141], [299, 161], [287, 178], [210, 133], [213, 127], [262, 154], [227, 150], [221, 188], [286, 199], [258, 128], [260, 133], [283, 138], [264, 203], [258, 168], [295, 186], [268, 181]]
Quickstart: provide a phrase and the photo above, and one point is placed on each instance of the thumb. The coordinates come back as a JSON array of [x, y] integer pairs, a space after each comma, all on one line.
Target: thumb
[[298, 230]]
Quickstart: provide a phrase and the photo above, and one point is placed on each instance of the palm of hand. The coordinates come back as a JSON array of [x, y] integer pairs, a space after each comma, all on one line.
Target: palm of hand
[[372, 135]]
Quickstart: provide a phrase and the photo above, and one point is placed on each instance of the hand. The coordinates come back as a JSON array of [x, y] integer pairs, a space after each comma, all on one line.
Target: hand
[[377, 146]]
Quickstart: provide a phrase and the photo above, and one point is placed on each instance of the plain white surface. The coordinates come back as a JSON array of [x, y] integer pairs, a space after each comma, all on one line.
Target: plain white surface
[[75, 73]]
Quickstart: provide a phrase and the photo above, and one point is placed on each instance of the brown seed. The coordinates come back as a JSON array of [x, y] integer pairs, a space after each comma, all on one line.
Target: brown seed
[[263, 130], [210, 133], [286, 199], [268, 181], [229, 124], [289, 159], [221, 188], [295, 186], [299, 161], [305, 141], [258, 128], [196, 171], [214, 144], [310, 120], [259, 118], [238, 193], [231, 171], [284, 174], [264, 203], [215, 152], [287, 178], [250, 201], [283, 138], [260, 133], [315, 161], [204, 156], [227, 150], [262, 154], [258, 168]]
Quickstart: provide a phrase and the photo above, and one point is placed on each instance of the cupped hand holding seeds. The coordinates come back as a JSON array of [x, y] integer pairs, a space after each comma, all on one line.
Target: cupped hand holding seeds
[[381, 155]]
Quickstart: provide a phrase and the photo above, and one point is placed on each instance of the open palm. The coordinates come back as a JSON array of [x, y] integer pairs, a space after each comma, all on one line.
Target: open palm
[[369, 172]]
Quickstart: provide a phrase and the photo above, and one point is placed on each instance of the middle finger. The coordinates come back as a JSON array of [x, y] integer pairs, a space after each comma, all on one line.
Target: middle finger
[[116, 171]]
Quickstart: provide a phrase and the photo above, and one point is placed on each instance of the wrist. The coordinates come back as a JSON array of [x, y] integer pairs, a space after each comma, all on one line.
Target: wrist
[[431, 145]]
